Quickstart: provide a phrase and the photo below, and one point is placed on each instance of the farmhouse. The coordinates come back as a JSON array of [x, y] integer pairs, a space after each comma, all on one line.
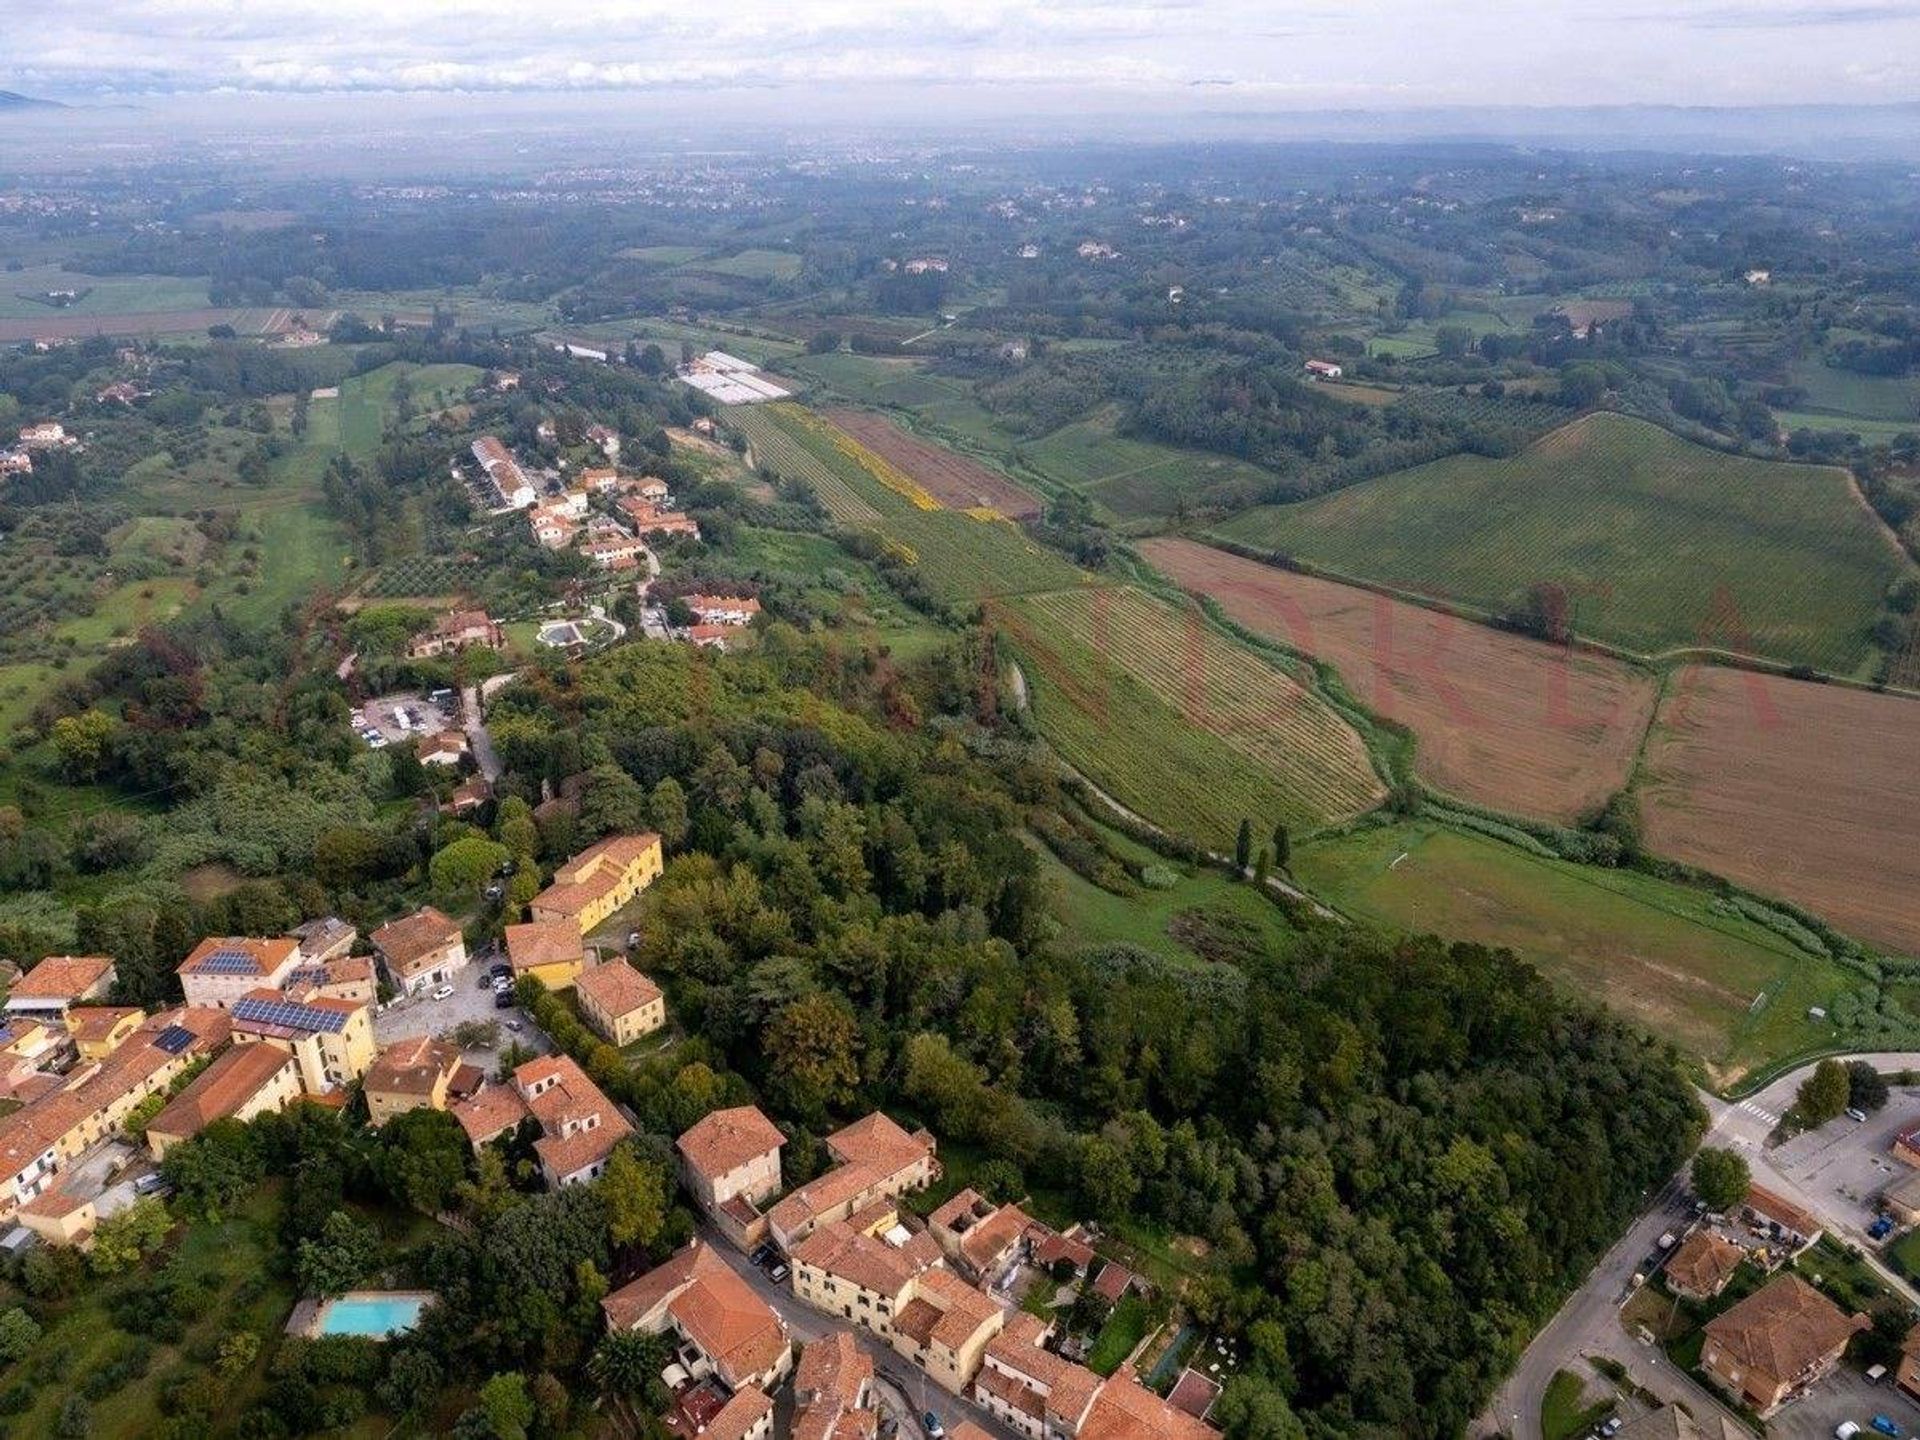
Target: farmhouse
[[412, 1074], [1777, 1343], [421, 950], [878, 1160], [650, 519], [552, 527], [455, 631], [1906, 1146], [46, 435], [447, 747], [1670, 1422], [220, 970], [1901, 1199], [345, 977], [509, 481], [730, 1160], [614, 552], [61, 1217], [723, 609], [579, 1125], [1324, 370], [1702, 1265], [619, 1002], [246, 1081], [600, 482], [329, 938], [58, 982], [607, 440], [731, 1333], [599, 880], [15, 462], [707, 637], [654, 490], [549, 950]]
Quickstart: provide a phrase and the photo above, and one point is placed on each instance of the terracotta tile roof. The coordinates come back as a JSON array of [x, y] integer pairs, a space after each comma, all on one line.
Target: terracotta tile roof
[[267, 955], [986, 1232], [964, 1311], [492, 1110], [61, 977], [317, 937], [1782, 1328], [1124, 1409], [588, 876], [90, 1024], [412, 1066], [736, 1419], [827, 1388], [1050, 1245], [724, 1140], [718, 1311], [1703, 1263], [53, 1204], [846, 1254], [616, 987], [841, 1185], [234, 1078], [544, 942], [1670, 1422], [411, 939], [967, 1430], [1113, 1281], [877, 1142], [1778, 1208], [579, 1125]]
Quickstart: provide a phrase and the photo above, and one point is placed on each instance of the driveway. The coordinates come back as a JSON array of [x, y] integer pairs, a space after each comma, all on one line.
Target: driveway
[[423, 1015]]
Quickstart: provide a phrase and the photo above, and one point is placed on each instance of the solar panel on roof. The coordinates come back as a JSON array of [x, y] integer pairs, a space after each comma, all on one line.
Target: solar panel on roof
[[229, 962], [290, 1013], [174, 1039]]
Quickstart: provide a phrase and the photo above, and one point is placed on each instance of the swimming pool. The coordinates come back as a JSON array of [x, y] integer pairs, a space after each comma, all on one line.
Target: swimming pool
[[373, 1313]]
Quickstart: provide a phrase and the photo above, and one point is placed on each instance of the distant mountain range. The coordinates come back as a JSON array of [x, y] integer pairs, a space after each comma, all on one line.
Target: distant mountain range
[[11, 100]]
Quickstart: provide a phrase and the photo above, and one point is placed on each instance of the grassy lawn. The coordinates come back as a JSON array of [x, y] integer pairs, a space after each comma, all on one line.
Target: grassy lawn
[[1658, 543], [1729, 993], [1867, 397], [1125, 1328], [1562, 1415], [757, 265], [229, 1264], [107, 294]]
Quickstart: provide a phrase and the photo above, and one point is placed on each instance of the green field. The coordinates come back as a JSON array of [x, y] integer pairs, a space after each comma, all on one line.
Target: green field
[[107, 294], [756, 265], [832, 582], [1726, 991], [663, 254], [1868, 430], [1658, 543], [1132, 478], [1178, 723], [1868, 397], [875, 381]]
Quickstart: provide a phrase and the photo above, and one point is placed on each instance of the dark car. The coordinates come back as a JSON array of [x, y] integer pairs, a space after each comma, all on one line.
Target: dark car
[[500, 970], [503, 1000]]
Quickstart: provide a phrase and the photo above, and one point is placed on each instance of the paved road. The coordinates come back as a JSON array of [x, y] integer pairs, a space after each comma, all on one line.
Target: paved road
[[805, 1324], [478, 740], [1589, 1321]]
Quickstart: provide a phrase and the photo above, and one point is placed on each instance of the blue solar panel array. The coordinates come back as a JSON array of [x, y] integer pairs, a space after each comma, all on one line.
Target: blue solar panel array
[[174, 1039], [229, 962], [289, 1013]]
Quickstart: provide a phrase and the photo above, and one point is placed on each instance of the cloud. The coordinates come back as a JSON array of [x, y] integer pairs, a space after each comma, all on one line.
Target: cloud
[[1419, 51]]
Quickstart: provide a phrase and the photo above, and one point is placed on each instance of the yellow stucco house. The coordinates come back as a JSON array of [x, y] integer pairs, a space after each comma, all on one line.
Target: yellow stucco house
[[552, 951], [599, 880]]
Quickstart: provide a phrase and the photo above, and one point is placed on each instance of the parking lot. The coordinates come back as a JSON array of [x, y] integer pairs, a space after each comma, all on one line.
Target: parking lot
[[1843, 1166], [1846, 1395], [405, 716], [472, 999]]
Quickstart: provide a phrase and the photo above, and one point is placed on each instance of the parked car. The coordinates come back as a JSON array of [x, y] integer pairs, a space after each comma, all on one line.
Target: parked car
[[152, 1184], [1881, 1228], [442, 992], [778, 1273], [1885, 1425], [1858, 1116], [931, 1423], [764, 1255], [494, 892], [500, 969], [503, 999], [1612, 1427], [1845, 1430]]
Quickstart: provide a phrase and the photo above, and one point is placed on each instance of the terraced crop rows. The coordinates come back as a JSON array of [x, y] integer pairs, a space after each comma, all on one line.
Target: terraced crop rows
[[776, 446], [1082, 642]]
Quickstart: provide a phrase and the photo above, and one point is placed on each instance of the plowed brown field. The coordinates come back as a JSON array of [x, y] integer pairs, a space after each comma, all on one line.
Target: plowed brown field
[[1805, 791], [953, 479], [1501, 720]]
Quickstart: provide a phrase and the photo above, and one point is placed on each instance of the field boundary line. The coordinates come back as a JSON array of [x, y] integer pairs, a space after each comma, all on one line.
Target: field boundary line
[[1461, 610]]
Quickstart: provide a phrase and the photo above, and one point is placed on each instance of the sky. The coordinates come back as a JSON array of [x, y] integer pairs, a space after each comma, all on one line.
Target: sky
[[1181, 55]]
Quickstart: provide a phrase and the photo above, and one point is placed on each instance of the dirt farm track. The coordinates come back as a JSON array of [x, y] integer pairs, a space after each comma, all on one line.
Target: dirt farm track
[[1799, 790], [1500, 720]]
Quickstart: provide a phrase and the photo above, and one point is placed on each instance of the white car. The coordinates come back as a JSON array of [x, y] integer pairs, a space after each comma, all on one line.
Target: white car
[[442, 992]]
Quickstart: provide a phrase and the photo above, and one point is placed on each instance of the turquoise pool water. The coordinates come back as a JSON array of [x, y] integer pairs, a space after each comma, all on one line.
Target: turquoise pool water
[[374, 1315]]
